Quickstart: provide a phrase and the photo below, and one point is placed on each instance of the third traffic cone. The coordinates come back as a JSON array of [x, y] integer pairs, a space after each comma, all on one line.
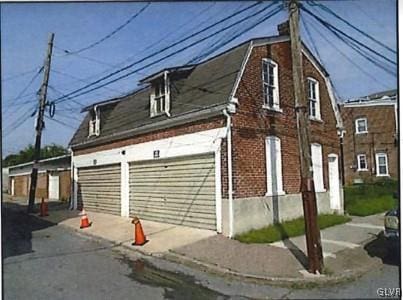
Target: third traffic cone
[[43, 208], [84, 220], [139, 237]]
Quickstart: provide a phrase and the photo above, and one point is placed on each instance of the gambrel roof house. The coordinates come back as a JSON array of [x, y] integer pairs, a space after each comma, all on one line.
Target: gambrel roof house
[[371, 137], [212, 145]]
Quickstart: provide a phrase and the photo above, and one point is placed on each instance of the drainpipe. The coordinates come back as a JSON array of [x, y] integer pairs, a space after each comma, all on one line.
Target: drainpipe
[[229, 166]]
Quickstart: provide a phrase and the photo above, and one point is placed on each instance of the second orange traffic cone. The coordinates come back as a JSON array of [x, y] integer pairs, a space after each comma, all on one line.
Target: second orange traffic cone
[[43, 208], [85, 222], [139, 237]]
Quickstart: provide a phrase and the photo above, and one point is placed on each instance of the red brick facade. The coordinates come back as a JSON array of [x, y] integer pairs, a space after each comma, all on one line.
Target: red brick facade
[[253, 123], [381, 124]]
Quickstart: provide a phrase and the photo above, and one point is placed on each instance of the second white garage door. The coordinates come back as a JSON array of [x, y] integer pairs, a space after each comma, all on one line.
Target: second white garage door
[[176, 191]]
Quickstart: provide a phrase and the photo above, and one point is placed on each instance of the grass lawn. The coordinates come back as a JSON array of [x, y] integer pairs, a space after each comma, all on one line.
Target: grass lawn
[[369, 199], [287, 229]]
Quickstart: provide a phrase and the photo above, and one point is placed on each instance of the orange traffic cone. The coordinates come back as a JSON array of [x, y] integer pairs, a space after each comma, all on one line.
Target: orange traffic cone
[[139, 237], [84, 220], [43, 208]]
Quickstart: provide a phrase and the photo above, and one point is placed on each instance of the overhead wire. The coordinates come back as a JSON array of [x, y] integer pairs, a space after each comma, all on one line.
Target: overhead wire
[[159, 51], [340, 32], [171, 54], [108, 36], [331, 12], [335, 47]]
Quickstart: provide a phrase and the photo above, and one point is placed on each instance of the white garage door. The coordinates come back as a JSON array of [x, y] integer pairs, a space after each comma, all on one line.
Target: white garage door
[[176, 191], [99, 188]]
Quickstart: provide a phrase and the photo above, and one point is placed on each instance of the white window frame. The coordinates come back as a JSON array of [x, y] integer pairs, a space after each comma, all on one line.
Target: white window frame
[[317, 167], [377, 156], [313, 98], [356, 126], [273, 146], [94, 125], [160, 97], [359, 156], [266, 64]]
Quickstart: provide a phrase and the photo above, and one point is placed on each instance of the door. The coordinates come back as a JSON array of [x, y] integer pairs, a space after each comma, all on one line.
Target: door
[[54, 186], [12, 186], [98, 188], [176, 191], [334, 182]]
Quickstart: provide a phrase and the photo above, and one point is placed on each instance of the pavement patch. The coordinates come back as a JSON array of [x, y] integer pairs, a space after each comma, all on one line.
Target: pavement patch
[[341, 243], [365, 225]]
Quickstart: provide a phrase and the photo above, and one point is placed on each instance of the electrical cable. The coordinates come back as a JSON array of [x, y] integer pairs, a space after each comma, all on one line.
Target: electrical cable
[[110, 34], [163, 49], [167, 56]]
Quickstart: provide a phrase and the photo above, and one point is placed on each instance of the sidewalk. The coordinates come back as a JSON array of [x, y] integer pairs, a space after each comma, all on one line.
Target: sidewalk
[[285, 261]]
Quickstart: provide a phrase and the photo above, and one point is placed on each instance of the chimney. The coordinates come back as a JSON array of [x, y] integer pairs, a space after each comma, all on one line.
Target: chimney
[[283, 28]]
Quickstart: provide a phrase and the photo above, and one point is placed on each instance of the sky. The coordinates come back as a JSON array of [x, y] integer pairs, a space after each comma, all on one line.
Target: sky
[[25, 29]]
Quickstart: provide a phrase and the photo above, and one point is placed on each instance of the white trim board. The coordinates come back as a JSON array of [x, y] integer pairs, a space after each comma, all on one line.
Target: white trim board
[[182, 145]]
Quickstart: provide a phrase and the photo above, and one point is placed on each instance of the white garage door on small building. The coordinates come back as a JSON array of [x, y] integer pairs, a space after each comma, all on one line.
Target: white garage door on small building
[[99, 188], [175, 190]]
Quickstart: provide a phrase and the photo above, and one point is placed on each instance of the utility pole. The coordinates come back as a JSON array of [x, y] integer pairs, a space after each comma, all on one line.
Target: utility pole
[[40, 124], [313, 242]]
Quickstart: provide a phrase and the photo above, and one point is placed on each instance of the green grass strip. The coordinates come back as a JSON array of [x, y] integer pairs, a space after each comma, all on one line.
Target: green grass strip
[[288, 229]]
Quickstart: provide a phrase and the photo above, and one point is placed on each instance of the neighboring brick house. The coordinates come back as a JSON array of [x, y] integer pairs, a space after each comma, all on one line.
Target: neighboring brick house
[[370, 140], [54, 178], [193, 147]]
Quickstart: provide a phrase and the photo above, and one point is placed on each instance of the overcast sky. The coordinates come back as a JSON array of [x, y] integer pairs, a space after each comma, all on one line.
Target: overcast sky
[[25, 28]]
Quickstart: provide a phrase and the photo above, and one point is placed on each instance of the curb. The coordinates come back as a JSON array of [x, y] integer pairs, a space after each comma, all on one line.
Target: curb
[[214, 269], [281, 281]]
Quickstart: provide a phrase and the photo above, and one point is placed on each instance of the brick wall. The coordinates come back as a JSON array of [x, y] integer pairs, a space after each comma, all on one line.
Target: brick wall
[[21, 188], [42, 186], [380, 138], [252, 124], [64, 184]]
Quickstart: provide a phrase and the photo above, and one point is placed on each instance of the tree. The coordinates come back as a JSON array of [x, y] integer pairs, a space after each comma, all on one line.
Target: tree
[[27, 154]]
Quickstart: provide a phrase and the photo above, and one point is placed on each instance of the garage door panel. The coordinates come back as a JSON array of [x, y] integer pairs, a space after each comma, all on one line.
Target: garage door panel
[[99, 188], [177, 191]]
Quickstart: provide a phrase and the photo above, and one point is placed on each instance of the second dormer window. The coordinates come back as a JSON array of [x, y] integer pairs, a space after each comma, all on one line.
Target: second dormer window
[[159, 97], [94, 123]]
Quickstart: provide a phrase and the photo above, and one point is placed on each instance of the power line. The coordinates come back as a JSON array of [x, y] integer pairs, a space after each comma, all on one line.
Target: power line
[[60, 122], [348, 58], [19, 75], [334, 29], [238, 34], [81, 79], [110, 34], [171, 54], [83, 57], [331, 12], [20, 94], [163, 49]]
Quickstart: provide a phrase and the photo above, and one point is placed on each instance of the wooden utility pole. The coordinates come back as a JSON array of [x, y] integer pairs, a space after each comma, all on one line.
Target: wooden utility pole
[[40, 124], [313, 242]]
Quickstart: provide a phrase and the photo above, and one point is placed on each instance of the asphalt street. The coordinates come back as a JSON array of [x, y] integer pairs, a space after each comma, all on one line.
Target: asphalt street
[[44, 261]]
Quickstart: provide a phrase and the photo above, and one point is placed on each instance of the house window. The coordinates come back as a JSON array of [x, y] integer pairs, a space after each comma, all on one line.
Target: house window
[[317, 164], [94, 123], [274, 173], [313, 99], [361, 126], [362, 162], [382, 164], [159, 97], [270, 85]]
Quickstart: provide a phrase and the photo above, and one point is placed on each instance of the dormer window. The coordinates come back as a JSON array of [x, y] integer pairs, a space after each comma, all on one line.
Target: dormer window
[[94, 123], [159, 97]]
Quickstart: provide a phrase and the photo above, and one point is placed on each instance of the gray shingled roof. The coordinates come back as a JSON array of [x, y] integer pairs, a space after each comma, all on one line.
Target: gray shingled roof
[[206, 85]]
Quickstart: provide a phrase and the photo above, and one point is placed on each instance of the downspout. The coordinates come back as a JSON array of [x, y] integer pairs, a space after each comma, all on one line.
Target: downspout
[[229, 167], [72, 200]]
